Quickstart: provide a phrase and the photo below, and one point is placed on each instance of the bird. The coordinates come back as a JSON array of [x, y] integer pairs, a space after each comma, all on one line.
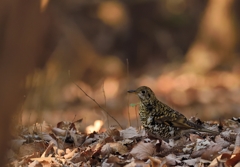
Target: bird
[[161, 121]]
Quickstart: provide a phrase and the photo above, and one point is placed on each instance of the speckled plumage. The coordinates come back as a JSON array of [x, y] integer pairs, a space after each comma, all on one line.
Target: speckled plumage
[[161, 121]]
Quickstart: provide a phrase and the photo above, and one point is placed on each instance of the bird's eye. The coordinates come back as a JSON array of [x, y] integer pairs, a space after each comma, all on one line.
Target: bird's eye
[[143, 91]]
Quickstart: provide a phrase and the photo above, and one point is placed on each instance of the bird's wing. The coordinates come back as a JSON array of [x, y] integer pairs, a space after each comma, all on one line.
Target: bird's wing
[[177, 120], [172, 118]]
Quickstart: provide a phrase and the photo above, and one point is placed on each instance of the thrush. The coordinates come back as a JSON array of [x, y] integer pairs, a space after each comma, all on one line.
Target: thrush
[[161, 121]]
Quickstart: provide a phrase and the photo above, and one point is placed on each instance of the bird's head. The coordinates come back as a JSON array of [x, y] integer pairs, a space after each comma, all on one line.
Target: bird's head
[[144, 93]]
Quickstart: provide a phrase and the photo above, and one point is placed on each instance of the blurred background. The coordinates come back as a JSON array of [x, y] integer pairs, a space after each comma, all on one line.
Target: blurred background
[[186, 51]]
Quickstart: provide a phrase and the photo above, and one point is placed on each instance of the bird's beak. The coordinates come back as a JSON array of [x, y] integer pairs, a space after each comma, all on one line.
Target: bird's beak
[[131, 91]]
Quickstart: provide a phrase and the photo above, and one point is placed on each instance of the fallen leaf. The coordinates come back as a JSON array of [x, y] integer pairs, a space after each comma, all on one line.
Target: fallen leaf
[[191, 162], [233, 160], [237, 145], [137, 163], [28, 149], [59, 131], [142, 150], [16, 144], [156, 162], [220, 141], [171, 160], [118, 147], [211, 152], [129, 133]]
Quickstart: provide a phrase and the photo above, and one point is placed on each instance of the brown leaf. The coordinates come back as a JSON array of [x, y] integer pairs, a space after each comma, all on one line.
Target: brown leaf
[[142, 150], [192, 162], [41, 128], [70, 154], [114, 133], [200, 147], [35, 164], [106, 149], [59, 131], [155, 162], [234, 160], [77, 138], [225, 156], [129, 133], [220, 141], [48, 159], [194, 137], [58, 151], [172, 160], [65, 125], [83, 156], [211, 152], [217, 162], [137, 163], [16, 144], [237, 145], [28, 149], [77, 124], [118, 148]]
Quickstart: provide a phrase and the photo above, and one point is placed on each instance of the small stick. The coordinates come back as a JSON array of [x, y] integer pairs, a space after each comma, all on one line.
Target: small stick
[[137, 117], [129, 120], [98, 105], [105, 99], [74, 118]]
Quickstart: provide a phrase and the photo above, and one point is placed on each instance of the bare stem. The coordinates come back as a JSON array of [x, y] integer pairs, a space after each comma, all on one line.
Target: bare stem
[[136, 112], [98, 105], [129, 120], [105, 99]]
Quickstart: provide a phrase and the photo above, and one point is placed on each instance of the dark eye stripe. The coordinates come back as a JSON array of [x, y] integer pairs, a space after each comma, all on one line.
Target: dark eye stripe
[[143, 91]]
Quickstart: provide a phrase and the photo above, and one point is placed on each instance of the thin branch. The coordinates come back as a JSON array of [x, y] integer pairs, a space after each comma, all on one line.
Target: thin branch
[[98, 105], [74, 118], [129, 120], [105, 99], [136, 112]]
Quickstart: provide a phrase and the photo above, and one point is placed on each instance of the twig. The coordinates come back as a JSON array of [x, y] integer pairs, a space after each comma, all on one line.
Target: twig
[[129, 121], [73, 119], [137, 117], [98, 105], [105, 99]]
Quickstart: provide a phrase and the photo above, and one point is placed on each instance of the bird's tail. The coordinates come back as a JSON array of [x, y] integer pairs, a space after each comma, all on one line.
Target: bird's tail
[[201, 129], [209, 131]]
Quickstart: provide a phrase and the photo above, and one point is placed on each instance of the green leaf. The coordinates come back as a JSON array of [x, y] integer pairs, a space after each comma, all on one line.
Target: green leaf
[[133, 104]]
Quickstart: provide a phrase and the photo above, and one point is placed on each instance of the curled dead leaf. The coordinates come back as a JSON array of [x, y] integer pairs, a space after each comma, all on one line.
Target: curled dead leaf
[[172, 160], [194, 137], [77, 138], [28, 149], [237, 145], [129, 133], [233, 160], [137, 163], [142, 150], [220, 141], [114, 133], [16, 144], [116, 147], [64, 125], [156, 162], [200, 147], [106, 149], [59, 132], [211, 152], [192, 162], [39, 128], [58, 151]]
